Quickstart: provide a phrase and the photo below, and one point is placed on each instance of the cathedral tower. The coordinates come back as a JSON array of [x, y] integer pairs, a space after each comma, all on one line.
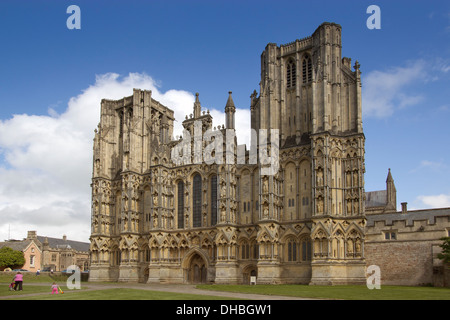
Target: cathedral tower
[[311, 94]]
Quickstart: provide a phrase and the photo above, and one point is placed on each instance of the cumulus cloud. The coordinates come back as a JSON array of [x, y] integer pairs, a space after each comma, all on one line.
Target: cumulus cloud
[[47, 160], [435, 201], [386, 91]]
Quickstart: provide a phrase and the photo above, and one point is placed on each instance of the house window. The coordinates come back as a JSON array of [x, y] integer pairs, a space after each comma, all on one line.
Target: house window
[[390, 235], [31, 261]]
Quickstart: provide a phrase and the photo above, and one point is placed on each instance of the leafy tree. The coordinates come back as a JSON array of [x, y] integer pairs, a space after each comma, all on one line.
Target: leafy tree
[[445, 254], [10, 258]]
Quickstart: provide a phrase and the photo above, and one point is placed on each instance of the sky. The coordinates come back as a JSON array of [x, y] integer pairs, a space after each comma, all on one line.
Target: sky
[[53, 78]]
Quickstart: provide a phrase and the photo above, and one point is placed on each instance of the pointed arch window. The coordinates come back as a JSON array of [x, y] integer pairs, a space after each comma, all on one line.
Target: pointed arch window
[[291, 74], [306, 249], [180, 201], [197, 201], [213, 200], [292, 250]]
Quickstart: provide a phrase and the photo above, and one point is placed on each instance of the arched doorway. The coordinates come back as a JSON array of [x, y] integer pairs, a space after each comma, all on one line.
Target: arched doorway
[[248, 272], [146, 275], [197, 270]]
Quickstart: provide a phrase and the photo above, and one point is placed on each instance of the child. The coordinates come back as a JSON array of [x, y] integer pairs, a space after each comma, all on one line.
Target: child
[[54, 288], [11, 286]]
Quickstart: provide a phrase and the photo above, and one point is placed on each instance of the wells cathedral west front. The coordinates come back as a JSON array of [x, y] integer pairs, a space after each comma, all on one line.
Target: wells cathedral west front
[[157, 221]]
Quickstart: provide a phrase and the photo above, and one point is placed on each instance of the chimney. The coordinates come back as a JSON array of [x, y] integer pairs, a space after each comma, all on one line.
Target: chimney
[[404, 207], [64, 237], [31, 235]]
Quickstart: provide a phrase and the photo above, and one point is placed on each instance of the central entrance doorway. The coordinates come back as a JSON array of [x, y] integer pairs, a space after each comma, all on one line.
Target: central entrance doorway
[[197, 270]]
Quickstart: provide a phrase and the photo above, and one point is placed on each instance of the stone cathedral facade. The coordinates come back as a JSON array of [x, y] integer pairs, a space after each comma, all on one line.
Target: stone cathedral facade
[[157, 221]]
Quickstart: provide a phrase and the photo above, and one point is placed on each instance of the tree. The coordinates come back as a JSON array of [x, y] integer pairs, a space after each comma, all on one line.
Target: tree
[[10, 258], [445, 254]]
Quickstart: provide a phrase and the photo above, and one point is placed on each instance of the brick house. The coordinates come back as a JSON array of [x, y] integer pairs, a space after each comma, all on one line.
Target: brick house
[[45, 253], [31, 251]]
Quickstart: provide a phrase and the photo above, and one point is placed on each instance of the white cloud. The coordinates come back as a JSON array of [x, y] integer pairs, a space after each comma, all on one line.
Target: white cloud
[[436, 166], [46, 174], [385, 91], [435, 201]]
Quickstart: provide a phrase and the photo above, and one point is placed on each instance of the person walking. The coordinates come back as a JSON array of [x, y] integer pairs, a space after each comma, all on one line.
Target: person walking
[[18, 281]]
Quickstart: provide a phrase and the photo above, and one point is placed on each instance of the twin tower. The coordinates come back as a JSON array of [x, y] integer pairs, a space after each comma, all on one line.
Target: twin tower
[[157, 221]]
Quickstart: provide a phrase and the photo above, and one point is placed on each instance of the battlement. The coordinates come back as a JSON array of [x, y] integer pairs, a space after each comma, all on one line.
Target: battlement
[[399, 219], [297, 45]]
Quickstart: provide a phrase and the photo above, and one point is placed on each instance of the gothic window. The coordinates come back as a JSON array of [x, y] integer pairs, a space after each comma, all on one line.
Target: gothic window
[[197, 201], [121, 123], [180, 201], [292, 250], [255, 250], [245, 250], [146, 255], [213, 200], [307, 69], [291, 74], [306, 250]]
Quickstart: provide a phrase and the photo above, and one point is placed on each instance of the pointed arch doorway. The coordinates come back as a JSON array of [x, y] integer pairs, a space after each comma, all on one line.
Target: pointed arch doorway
[[197, 271]]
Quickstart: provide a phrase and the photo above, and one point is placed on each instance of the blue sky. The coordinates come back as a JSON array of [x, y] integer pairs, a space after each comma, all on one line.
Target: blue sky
[[53, 79]]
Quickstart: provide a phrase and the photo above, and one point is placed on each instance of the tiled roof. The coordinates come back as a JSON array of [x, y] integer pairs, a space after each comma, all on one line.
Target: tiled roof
[[58, 243]]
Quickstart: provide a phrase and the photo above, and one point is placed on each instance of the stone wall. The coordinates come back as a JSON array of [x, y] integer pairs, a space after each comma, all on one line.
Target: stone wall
[[405, 245], [402, 263]]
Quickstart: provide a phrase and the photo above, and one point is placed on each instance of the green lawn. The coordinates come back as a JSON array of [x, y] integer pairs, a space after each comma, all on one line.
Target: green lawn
[[30, 277], [106, 294], [305, 291], [4, 290], [340, 292]]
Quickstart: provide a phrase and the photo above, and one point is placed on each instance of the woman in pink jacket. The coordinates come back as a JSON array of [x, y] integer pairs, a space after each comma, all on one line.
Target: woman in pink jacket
[[18, 280]]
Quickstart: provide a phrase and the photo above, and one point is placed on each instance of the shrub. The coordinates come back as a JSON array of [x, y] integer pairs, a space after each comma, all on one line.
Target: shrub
[[10, 258]]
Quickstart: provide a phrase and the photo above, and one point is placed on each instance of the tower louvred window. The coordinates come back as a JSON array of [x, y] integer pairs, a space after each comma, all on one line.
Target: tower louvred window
[[291, 74], [307, 70]]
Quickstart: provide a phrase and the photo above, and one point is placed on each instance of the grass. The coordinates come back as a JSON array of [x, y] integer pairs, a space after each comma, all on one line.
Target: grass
[[105, 294], [42, 284], [30, 277], [4, 290], [122, 294], [339, 292]]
